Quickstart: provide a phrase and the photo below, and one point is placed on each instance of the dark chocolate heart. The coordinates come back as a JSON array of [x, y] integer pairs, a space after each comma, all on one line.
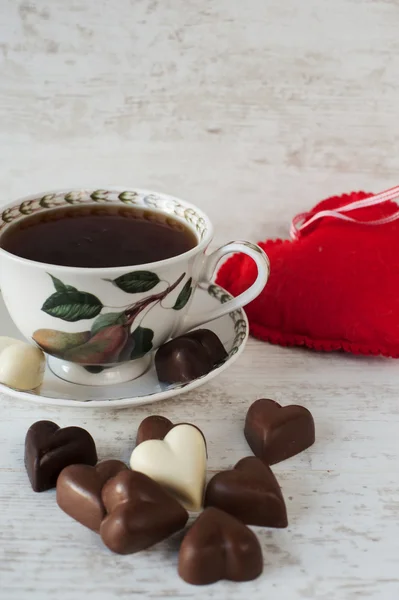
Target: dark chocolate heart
[[218, 546], [210, 341], [140, 513], [182, 360], [79, 491], [250, 492], [189, 356], [49, 449], [276, 432]]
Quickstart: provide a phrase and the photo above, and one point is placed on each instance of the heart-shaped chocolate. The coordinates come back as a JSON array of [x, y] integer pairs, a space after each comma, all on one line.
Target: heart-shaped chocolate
[[250, 492], [189, 356], [79, 490], [154, 427], [178, 462], [218, 546], [212, 344], [276, 432], [49, 449], [181, 360], [140, 513]]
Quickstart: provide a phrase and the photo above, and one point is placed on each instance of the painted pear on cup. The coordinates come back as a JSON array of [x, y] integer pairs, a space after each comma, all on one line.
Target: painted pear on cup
[[103, 348], [58, 342]]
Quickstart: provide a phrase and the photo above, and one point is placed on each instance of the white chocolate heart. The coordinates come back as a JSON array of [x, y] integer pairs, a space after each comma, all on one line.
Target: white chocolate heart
[[6, 341], [178, 463], [21, 365]]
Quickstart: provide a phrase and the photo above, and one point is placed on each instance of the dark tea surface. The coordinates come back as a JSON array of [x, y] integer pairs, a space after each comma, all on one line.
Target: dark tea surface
[[87, 236]]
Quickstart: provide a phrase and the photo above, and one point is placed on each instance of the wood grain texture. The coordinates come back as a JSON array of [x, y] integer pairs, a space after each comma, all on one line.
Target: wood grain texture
[[254, 110]]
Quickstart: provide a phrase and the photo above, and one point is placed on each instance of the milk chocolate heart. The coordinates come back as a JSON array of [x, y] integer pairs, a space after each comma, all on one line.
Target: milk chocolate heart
[[276, 432], [178, 462], [79, 490], [218, 546], [140, 513], [49, 449], [154, 427], [250, 492]]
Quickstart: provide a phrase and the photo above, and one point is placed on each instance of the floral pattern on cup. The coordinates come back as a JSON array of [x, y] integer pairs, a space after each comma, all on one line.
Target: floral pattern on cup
[[240, 325], [113, 336], [100, 196]]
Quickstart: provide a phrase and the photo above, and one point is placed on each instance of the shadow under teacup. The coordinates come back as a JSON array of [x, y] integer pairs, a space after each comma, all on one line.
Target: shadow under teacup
[[100, 278]]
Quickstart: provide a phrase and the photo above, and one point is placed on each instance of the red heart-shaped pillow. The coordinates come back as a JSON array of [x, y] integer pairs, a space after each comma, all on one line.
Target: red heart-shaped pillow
[[335, 288]]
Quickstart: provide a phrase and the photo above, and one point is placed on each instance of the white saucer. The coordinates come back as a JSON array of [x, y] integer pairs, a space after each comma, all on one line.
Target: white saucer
[[232, 329]]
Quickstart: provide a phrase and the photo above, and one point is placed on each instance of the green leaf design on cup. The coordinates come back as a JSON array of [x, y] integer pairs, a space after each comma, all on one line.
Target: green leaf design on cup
[[128, 197], [9, 214], [27, 207], [224, 298], [75, 196], [142, 341], [61, 287], [137, 282], [184, 295], [107, 320], [99, 195], [72, 305]]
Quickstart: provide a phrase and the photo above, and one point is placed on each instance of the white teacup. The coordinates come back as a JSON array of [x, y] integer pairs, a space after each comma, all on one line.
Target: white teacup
[[131, 310]]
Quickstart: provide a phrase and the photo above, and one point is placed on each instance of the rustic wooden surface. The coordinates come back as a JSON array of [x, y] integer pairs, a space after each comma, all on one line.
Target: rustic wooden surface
[[254, 110]]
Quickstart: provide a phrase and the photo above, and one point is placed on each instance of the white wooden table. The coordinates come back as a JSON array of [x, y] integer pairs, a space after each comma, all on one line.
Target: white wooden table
[[254, 110]]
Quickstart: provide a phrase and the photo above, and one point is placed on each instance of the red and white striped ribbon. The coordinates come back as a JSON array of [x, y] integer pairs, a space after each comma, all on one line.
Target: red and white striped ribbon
[[301, 221]]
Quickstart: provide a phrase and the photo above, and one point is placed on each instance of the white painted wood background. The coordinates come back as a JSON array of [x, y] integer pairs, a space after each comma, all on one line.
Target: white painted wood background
[[254, 110]]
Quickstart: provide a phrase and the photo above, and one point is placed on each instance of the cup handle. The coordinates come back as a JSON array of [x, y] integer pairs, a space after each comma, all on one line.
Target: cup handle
[[211, 262]]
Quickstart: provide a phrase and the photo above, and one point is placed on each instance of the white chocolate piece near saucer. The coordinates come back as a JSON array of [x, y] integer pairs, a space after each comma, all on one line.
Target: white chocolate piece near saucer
[[21, 365], [178, 463], [6, 341]]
